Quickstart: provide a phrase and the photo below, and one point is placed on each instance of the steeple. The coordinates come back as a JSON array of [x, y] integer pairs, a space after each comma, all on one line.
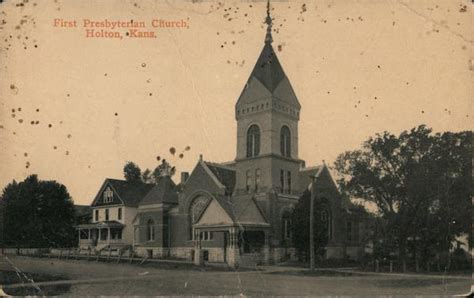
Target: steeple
[[268, 80], [268, 21]]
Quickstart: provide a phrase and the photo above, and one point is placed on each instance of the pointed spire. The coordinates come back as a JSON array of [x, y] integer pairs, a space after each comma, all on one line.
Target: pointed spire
[[268, 20]]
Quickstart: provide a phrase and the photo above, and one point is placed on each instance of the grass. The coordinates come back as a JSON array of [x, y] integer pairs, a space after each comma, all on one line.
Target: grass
[[12, 277]]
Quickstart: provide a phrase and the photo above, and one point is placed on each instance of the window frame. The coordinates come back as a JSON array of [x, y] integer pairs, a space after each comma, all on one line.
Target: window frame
[[253, 141], [285, 141]]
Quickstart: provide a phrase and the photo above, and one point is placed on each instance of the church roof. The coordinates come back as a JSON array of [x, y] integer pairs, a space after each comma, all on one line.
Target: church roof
[[163, 192], [224, 174]]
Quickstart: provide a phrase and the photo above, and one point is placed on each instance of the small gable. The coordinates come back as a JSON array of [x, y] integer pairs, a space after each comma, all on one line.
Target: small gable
[[107, 196], [249, 212], [202, 178], [214, 214]]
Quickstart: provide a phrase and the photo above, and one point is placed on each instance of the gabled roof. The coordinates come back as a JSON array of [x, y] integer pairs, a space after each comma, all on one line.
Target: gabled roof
[[163, 192], [129, 193], [241, 210], [306, 174], [224, 174]]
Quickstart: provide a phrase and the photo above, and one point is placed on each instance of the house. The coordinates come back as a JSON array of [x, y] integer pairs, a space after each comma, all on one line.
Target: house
[[236, 212]]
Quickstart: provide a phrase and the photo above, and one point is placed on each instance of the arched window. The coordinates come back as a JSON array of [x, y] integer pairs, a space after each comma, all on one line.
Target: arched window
[[150, 230], [253, 141], [286, 225], [285, 141], [326, 218], [195, 209]]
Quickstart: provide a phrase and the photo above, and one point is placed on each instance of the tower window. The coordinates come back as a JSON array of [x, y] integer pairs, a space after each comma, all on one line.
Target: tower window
[[282, 180], [106, 214], [285, 141], [286, 223], [249, 180], [288, 180], [257, 179], [96, 215], [253, 141], [119, 214]]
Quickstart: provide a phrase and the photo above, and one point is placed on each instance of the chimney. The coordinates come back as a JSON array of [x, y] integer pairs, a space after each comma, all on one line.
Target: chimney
[[184, 177]]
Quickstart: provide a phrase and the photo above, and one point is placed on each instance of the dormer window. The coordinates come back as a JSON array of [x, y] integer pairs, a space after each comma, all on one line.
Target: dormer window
[[108, 195]]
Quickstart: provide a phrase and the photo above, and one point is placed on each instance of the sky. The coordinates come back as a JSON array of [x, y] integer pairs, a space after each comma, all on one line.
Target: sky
[[75, 109]]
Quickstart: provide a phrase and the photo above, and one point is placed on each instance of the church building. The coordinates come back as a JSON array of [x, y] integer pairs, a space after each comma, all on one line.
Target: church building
[[237, 212]]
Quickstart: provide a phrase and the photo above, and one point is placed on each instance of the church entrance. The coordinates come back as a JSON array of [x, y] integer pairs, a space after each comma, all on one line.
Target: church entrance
[[251, 241]]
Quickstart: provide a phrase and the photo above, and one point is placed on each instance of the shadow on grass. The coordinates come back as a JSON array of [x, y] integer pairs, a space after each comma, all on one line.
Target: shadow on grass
[[11, 277], [410, 282], [318, 273]]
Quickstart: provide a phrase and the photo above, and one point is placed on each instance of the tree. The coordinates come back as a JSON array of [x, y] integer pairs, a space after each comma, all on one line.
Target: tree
[[146, 176], [132, 172], [300, 226], [420, 183], [164, 169], [38, 214]]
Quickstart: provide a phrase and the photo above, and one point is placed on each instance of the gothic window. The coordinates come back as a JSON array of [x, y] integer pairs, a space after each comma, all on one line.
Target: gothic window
[[119, 214], [106, 214], [327, 222], [108, 195], [286, 225], [150, 230], [285, 141], [257, 179], [195, 210], [253, 141]]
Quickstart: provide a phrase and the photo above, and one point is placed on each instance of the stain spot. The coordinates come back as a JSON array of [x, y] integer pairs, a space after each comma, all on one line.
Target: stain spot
[[143, 64], [116, 114], [172, 150]]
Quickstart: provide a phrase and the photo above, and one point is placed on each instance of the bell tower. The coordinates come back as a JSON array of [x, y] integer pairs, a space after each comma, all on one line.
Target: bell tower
[[267, 114]]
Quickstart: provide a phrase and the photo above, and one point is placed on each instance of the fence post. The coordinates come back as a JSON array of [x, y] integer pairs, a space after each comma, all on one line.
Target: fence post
[[377, 268], [391, 266]]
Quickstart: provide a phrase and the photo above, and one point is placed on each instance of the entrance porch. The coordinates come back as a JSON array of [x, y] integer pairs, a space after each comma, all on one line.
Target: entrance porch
[[242, 245]]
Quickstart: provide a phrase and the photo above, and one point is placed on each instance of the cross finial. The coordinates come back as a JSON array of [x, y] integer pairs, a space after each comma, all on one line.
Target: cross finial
[[268, 20]]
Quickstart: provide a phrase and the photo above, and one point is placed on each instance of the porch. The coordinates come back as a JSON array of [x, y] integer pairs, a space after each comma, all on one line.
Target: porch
[[242, 245], [100, 234]]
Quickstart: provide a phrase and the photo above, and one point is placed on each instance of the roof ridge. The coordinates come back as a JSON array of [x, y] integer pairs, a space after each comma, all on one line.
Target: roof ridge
[[219, 165]]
